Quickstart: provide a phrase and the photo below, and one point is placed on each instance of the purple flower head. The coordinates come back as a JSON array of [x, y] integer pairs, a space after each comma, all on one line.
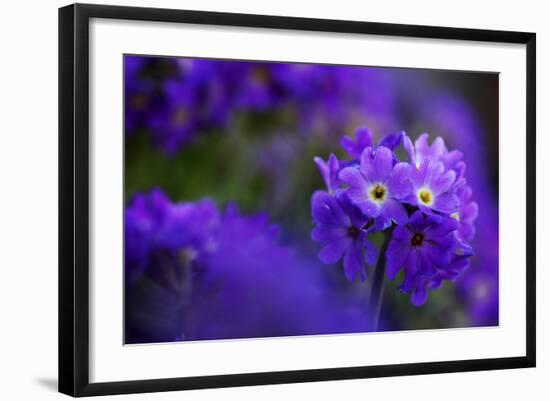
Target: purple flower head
[[427, 198], [466, 214], [341, 228], [378, 186], [433, 188], [423, 248], [329, 171]]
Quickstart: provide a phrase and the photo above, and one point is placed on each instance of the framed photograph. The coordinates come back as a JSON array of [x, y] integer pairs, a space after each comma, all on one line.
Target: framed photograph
[[250, 199]]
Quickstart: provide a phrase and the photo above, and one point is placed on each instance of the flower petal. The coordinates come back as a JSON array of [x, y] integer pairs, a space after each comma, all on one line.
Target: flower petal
[[446, 203], [392, 141], [327, 210], [367, 207], [409, 148], [353, 177], [399, 182], [376, 167], [421, 144], [410, 276], [354, 148], [438, 181], [420, 293], [353, 260], [395, 211], [440, 228], [383, 164], [371, 252], [467, 231], [396, 255], [333, 251], [469, 212], [424, 262], [322, 233]]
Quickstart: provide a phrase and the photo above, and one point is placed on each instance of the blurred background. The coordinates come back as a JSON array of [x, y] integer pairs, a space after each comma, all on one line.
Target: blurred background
[[242, 136]]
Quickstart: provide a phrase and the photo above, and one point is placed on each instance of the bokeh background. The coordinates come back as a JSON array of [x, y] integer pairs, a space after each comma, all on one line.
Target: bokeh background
[[243, 135]]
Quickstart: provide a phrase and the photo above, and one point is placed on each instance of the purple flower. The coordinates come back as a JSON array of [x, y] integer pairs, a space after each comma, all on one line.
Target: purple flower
[[433, 188], [354, 147], [423, 248], [153, 223], [329, 171], [378, 186], [175, 124], [194, 272], [340, 227]]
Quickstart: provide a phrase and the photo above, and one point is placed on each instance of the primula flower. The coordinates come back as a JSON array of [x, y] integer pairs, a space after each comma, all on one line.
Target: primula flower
[[423, 206], [433, 188], [378, 186], [422, 248], [341, 228]]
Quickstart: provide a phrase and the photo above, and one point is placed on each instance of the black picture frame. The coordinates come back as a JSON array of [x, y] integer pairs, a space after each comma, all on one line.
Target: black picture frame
[[74, 194]]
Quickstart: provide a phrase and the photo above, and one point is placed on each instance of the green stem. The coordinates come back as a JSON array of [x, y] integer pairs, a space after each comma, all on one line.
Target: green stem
[[377, 288]]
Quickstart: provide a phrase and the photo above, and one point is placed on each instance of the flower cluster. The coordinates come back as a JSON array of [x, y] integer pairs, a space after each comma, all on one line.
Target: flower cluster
[[422, 204], [176, 99], [195, 272]]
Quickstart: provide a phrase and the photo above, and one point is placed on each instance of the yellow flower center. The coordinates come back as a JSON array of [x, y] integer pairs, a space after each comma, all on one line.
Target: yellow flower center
[[425, 196], [455, 216], [378, 193]]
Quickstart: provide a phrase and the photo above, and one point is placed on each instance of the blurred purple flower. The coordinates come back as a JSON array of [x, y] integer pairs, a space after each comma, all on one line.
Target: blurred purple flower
[[195, 273], [152, 223], [320, 98]]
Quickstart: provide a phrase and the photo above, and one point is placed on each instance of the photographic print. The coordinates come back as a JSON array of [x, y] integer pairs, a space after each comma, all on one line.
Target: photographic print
[[274, 199]]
